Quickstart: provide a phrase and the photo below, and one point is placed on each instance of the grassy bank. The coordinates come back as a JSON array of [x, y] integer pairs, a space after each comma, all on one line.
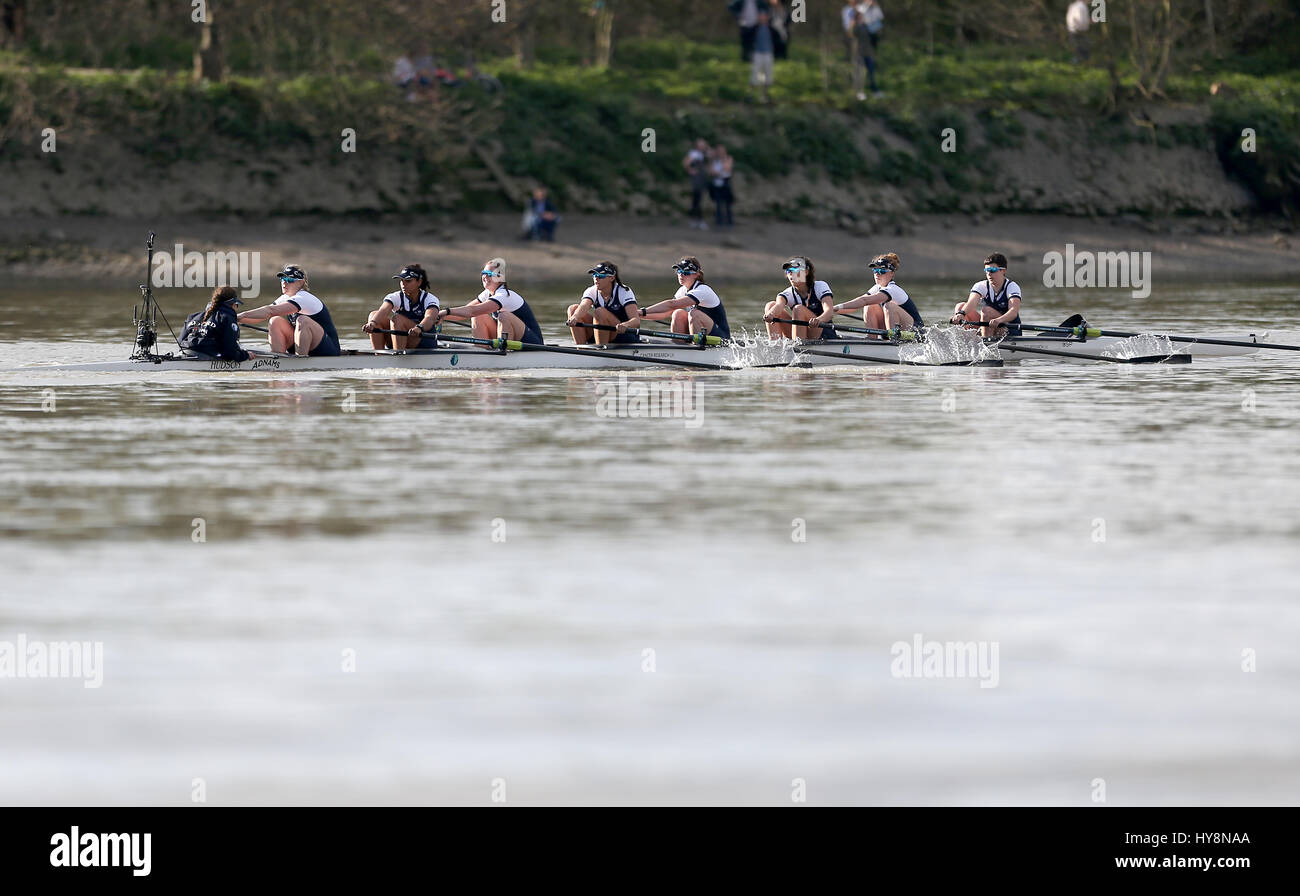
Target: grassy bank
[[581, 131]]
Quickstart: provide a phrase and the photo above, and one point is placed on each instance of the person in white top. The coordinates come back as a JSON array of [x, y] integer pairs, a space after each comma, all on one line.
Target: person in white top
[[608, 302], [888, 306], [1076, 24], [695, 308], [411, 308], [498, 312], [806, 299], [993, 301], [297, 322]]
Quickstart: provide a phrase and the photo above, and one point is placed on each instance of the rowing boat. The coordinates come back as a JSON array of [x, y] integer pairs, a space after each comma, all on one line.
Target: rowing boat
[[646, 353]]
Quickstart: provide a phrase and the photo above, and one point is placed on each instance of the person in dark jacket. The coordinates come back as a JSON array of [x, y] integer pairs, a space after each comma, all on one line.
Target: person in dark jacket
[[214, 331]]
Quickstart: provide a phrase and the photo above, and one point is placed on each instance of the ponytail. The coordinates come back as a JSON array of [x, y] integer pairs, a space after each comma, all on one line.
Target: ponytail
[[220, 295]]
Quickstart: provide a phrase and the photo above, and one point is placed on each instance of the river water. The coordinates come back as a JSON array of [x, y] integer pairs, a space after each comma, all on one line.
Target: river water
[[467, 588]]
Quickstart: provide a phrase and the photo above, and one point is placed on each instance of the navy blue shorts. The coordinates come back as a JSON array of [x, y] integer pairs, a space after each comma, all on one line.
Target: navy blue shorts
[[532, 337], [625, 338]]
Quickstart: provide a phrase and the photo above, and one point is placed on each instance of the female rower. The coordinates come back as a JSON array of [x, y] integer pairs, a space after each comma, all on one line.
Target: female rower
[[513, 318], [411, 308], [695, 308], [607, 302], [214, 331], [299, 323], [994, 301], [887, 304], [807, 298]]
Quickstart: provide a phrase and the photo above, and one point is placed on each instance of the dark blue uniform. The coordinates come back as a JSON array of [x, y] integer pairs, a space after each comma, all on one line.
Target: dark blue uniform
[[216, 337]]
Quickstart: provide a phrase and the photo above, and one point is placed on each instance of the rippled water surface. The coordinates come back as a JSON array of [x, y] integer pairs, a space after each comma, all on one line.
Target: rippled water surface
[[397, 587]]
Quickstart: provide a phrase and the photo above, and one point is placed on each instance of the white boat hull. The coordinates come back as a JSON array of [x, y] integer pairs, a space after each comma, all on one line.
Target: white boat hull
[[624, 357]]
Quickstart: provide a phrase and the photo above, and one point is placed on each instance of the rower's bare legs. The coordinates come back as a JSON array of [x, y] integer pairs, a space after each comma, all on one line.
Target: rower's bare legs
[[280, 336], [581, 335], [802, 313], [775, 330], [383, 318], [699, 322], [681, 321], [991, 332], [509, 326], [895, 316], [606, 318], [874, 317], [307, 335], [483, 326], [401, 343]]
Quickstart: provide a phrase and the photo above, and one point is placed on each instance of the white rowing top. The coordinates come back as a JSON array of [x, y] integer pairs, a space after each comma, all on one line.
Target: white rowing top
[[896, 292], [307, 303], [508, 299], [821, 291], [401, 302], [621, 295], [702, 293], [1010, 290]]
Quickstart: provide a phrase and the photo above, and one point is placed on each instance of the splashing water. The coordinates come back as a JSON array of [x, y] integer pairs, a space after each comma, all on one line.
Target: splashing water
[[751, 349], [947, 345], [1140, 346]]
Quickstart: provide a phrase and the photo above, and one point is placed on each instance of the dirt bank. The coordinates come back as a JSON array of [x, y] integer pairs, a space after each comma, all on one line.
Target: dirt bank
[[101, 249]]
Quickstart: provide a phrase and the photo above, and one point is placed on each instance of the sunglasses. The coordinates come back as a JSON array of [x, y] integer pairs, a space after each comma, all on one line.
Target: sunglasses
[[989, 269], [681, 270], [601, 276], [792, 268], [488, 273], [408, 277], [288, 279], [880, 270]]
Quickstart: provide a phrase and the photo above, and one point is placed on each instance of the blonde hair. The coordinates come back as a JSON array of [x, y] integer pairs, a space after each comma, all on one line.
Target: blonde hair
[[497, 264], [892, 257]]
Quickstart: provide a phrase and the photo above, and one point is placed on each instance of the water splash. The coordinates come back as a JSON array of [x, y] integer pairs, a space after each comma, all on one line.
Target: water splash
[[748, 349], [947, 345], [1140, 347]]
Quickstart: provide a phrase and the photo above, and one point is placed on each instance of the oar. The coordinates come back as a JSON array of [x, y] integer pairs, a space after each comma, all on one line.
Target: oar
[[693, 338], [897, 333], [1093, 333], [862, 359], [511, 345], [258, 329], [1018, 348]]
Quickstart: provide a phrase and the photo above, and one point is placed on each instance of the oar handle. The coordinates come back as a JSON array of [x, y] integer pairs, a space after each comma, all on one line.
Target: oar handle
[[606, 328], [797, 323], [1080, 332]]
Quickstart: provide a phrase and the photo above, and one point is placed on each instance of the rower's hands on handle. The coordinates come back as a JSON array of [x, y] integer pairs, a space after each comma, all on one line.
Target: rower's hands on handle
[[415, 332]]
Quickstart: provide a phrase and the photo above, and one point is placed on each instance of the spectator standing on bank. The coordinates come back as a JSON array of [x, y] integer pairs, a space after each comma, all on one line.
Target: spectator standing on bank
[[780, 28], [866, 56], [875, 22], [696, 164], [720, 166], [541, 217], [746, 13], [1076, 23], [764, 63], [848, 18]]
